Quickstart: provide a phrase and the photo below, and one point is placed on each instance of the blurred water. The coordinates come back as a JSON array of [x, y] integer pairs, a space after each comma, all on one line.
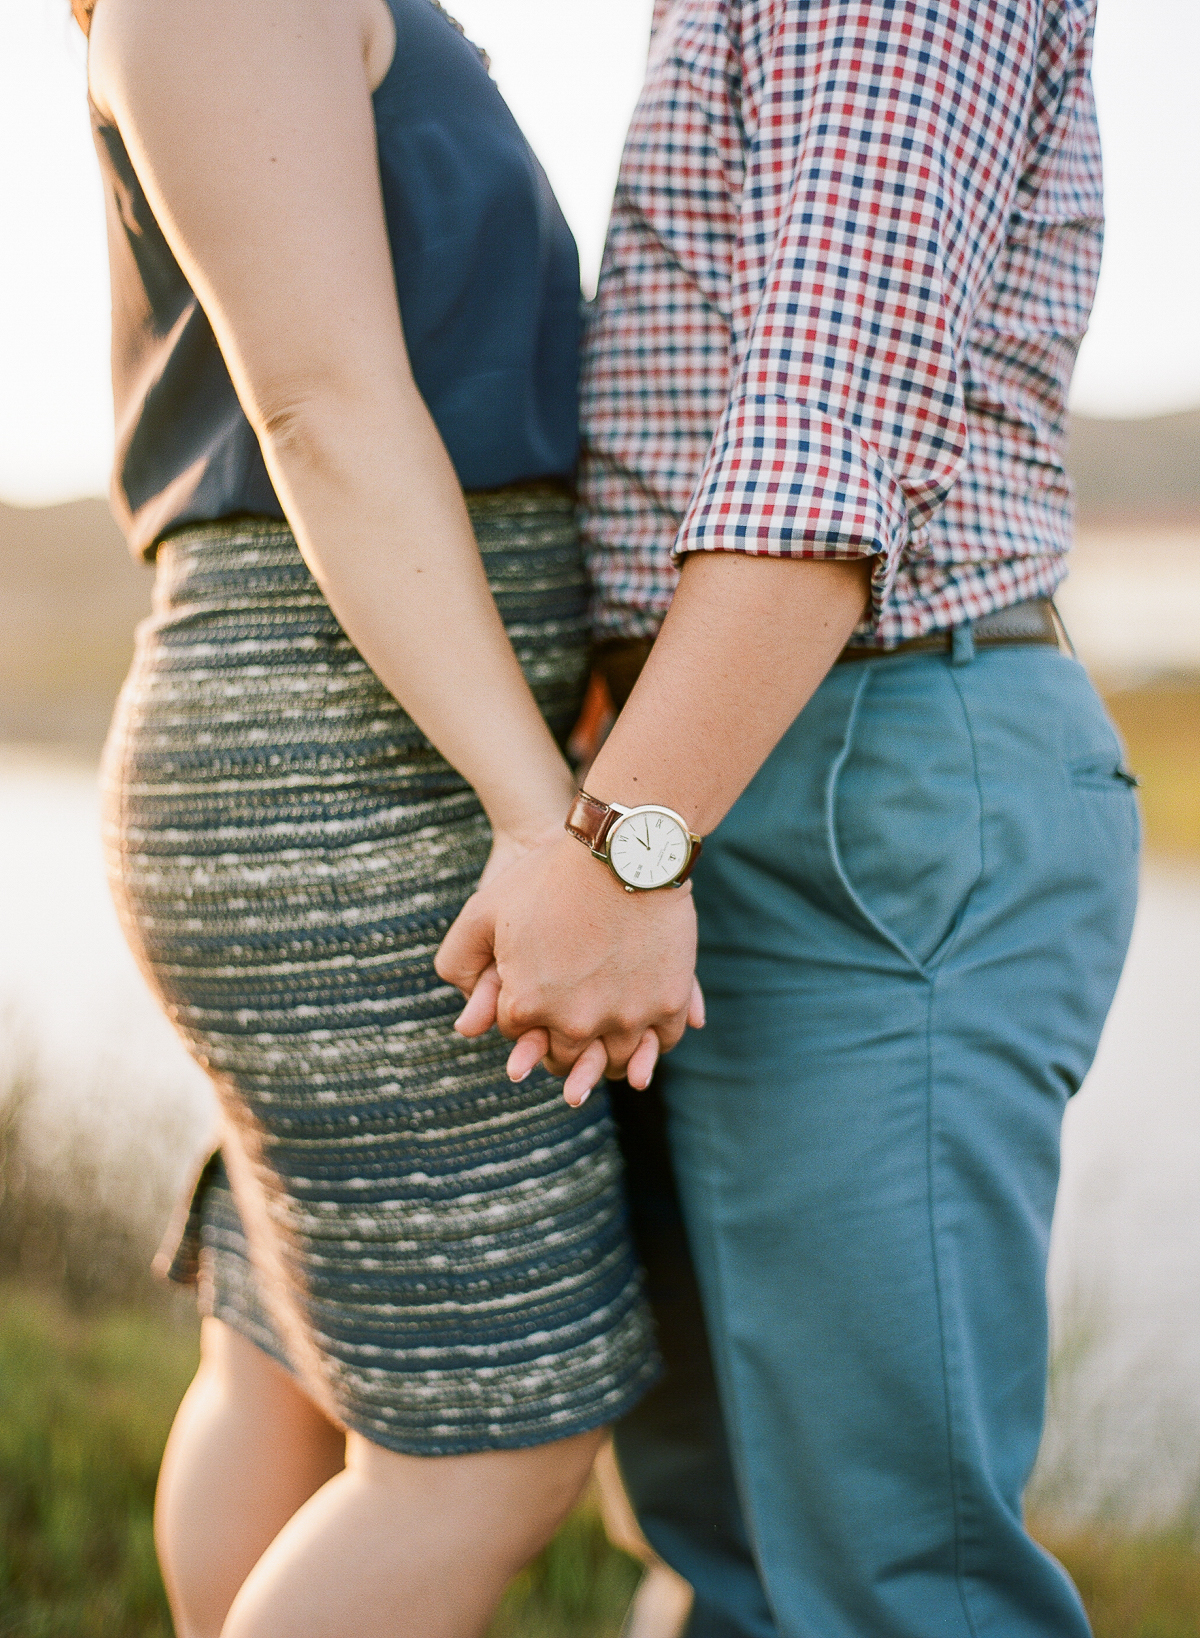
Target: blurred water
[[1123, 1438], [112, 1080], [1132, 601]]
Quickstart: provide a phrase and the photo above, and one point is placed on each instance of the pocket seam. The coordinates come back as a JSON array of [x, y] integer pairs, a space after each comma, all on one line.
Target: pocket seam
[[1087, 774], [831, 837], [928, 968]]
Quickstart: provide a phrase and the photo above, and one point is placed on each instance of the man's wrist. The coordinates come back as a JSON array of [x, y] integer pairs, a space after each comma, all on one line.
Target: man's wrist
[[647, 846]]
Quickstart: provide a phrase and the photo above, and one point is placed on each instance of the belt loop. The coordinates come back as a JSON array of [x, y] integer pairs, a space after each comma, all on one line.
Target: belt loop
[[962, 644], [1064, 636]]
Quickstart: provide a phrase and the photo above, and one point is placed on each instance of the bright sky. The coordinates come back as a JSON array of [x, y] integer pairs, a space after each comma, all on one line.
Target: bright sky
[[570, 70]]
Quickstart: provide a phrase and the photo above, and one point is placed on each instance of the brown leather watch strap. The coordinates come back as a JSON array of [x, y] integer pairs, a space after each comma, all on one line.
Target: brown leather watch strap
[[591, 821], [697, 843]]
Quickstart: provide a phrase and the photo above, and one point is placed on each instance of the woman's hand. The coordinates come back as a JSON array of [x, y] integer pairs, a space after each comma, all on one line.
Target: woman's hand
[[584, 976], [510, 845]]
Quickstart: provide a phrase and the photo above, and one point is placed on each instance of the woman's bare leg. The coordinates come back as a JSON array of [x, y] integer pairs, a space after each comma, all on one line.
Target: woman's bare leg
[[410, 1546], [247, 1449], [663, 1601]]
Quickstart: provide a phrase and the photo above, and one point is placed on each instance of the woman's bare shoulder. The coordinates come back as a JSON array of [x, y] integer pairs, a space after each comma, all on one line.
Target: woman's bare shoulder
[[251, 130], [152, 38]]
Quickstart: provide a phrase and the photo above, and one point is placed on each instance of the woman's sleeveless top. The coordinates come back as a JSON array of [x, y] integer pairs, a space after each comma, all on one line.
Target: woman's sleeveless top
[[486, 272]]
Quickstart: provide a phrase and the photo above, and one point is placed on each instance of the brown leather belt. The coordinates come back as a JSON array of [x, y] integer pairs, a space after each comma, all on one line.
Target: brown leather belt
[[620, 659], [1035, 621]]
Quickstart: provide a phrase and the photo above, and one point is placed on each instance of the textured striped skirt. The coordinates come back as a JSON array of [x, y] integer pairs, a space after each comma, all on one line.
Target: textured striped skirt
[[442, 1258]]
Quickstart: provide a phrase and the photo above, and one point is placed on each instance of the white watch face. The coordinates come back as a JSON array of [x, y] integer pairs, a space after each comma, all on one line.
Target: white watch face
[[648, 848]]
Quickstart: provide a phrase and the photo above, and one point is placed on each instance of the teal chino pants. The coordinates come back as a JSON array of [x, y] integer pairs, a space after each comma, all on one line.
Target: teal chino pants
[[911, 927]]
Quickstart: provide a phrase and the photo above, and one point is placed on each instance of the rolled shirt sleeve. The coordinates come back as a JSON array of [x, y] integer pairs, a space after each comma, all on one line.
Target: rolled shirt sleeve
[[883, 155]]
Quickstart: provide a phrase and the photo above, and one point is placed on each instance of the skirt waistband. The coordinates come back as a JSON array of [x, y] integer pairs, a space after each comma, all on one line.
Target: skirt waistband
[[555, 494]]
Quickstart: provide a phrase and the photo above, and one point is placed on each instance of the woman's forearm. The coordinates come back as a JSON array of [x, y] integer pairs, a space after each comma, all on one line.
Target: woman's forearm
[[380, 518]]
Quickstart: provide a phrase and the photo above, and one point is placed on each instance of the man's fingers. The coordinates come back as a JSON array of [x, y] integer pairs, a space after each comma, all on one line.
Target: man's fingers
[[479, 1014], [585, 1072], [466, 950], [695, 1014], [640, 1069], [529, 1051]]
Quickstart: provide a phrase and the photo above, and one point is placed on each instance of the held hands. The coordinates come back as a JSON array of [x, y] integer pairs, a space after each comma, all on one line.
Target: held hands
[[583, 976]]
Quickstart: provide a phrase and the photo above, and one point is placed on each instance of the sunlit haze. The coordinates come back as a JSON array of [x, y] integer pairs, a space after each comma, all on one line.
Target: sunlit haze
[[570, 69]]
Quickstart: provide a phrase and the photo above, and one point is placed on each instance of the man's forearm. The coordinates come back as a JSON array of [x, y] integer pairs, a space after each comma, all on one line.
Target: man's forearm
[[744, 646]]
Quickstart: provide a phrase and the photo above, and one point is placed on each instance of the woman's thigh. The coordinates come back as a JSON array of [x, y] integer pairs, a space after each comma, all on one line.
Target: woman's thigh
[[247, 1450], [412, 1547]]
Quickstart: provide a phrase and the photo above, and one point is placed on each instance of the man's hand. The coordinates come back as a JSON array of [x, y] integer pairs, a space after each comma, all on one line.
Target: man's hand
[[586, 977]]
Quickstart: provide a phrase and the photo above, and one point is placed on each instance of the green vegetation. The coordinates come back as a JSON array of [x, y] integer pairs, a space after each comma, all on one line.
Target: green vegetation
[[84, 1409], [85, 1403], [1134, 1588], [579, 1588], [1161, 729]]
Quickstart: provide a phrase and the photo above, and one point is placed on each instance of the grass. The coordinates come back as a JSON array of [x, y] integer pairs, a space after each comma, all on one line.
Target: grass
[[85, 1404], [84, 1409], [1161, 728], [1133, 1587], [579, 1588]]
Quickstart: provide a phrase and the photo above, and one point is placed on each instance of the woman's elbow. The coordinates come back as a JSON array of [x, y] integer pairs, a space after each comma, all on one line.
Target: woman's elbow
[[308, 427]]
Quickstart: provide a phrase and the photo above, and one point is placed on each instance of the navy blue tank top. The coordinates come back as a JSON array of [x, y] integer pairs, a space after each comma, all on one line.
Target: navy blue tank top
[[486, 272]]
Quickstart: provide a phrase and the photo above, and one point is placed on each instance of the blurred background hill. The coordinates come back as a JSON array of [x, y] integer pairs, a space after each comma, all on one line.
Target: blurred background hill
[[1144, 472], [70, 597]]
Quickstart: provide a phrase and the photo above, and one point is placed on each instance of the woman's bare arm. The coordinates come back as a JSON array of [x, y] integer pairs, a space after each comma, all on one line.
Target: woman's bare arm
[[251, 129]]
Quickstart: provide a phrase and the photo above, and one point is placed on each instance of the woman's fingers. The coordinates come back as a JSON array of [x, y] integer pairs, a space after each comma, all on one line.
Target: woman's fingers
[[695, 1016], [585, 1072], [479, 1014], [640, 1068], [466, 951], [529, 1051]]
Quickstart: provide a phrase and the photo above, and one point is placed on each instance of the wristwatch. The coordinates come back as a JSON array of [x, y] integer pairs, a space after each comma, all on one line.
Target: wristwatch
[[645, 847]]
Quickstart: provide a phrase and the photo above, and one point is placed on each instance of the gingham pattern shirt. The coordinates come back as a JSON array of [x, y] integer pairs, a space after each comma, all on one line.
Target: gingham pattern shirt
[[852, 255]]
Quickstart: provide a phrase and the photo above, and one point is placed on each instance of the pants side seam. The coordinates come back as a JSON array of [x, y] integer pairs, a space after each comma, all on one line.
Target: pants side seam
[[939, 1297]]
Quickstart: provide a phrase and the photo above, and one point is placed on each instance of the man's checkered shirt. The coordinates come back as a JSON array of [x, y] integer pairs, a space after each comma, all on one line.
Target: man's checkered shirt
[[852, 256]]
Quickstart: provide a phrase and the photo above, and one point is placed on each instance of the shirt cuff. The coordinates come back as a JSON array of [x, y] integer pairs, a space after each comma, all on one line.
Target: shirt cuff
[[782, 480]]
